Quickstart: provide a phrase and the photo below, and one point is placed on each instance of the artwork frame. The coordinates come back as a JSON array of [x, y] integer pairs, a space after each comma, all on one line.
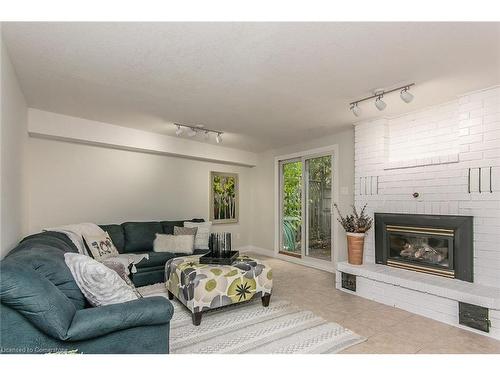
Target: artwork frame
[[224, 186]]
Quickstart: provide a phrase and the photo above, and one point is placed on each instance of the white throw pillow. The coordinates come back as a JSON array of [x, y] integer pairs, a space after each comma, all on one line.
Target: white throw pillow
[[202, 235], [98, 283], [101, 246], [183, 243]]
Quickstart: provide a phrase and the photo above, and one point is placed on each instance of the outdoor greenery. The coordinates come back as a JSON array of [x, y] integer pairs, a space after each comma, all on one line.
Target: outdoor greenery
[[224, 196], [292, 216], [320, 180]]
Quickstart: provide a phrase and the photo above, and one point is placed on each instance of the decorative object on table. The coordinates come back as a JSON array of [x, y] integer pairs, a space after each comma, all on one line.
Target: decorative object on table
[[220, 250], [100, 246], [202, 287], [182, 243], [99, 284], [224, 197], [228, 259], [220, 244], [356, 225], [202, 233]]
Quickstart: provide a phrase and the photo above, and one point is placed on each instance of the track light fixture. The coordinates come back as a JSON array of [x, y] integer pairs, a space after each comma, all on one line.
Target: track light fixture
[[194, 130], [379, 103], [405, 96], [355, 109]]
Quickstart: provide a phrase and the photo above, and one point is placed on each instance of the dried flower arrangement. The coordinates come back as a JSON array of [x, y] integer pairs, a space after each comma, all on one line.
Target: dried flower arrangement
[[355, 223]]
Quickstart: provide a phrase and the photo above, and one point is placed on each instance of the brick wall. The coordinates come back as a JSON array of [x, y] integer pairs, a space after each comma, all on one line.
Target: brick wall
[[433, 152]]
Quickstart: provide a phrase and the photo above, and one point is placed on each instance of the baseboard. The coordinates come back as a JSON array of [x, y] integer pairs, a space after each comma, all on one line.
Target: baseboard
[[271, 253], [256, 250]]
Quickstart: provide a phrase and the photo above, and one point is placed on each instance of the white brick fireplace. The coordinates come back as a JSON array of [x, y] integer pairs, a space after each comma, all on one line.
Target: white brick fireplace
[[450, 155]]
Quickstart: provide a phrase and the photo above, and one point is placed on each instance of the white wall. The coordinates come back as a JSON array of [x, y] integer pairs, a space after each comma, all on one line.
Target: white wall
[[430, 152], [264, 206], [13, 135], [72, 183]]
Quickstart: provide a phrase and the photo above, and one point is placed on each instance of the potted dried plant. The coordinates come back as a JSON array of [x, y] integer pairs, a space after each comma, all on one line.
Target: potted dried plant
[[356, 225]]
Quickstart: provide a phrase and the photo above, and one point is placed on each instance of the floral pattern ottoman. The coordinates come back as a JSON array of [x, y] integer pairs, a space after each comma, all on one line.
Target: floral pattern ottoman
[[201, 287]]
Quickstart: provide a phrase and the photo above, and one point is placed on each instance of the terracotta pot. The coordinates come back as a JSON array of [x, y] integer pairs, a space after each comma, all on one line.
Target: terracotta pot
[[355, 246]]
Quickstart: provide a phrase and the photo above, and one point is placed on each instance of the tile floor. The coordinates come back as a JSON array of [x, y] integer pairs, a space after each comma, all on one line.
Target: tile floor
[[388, 329]]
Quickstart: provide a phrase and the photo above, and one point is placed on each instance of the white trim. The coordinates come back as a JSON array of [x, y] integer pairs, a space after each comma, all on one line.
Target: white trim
[[320, 265], [334, 150], [257, 250]]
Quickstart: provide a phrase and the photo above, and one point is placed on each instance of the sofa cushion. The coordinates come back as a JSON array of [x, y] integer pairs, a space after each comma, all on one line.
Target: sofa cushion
[[168, 226], [155, 260], [115, 231], [139, 236], [47, 261], [27, 289]]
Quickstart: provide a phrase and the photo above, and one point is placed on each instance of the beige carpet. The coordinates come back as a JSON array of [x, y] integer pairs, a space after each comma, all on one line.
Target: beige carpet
[[251, 328]]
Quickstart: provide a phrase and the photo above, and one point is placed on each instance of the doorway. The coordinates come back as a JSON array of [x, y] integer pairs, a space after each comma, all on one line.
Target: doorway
[[306, 195]]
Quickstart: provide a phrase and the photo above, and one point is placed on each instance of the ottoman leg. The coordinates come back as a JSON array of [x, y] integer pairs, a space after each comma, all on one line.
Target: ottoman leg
[[196, 318], [265, 300], [170, 295]]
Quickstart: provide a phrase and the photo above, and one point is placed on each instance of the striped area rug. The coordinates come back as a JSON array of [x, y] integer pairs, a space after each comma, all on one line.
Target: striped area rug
[[251, 328]]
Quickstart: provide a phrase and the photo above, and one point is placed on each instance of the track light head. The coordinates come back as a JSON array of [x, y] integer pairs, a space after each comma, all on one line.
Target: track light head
[[379, 103], [405, 95], [218, 138], [355, 109], [179, 131]]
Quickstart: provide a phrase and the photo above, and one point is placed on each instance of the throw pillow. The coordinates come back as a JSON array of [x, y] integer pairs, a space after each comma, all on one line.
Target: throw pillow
[[122, 271], [182, 230], [100, 246], [99, 284], [202, 235], [174, 244]]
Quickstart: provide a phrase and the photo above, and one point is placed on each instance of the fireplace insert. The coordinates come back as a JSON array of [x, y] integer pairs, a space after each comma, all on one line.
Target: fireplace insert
[[436, 244]]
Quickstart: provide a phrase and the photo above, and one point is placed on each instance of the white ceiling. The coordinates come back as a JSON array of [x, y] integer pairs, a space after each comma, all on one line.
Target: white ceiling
[[265, 84]]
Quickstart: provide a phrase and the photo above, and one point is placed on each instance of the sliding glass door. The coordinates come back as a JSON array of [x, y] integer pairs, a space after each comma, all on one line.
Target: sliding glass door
[[306, 193], [291, 207], [318, 201]]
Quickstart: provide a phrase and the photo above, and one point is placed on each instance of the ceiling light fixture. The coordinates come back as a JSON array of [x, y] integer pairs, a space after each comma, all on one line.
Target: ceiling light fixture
[[355, 109], [193, 130], [379, 103], [405, 95]]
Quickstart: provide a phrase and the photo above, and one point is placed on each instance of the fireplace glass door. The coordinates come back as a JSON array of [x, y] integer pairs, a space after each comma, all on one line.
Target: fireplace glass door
[[426, 249]]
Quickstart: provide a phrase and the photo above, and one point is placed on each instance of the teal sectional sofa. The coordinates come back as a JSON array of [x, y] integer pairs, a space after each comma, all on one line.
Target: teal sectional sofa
[[137, 238], [42, 309]]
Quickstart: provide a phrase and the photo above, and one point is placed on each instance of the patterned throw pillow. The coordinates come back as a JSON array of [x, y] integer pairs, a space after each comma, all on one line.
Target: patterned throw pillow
[[99, 284], [183, 230], [174, 244], [121, 270], [202, 235], [101, 247]]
